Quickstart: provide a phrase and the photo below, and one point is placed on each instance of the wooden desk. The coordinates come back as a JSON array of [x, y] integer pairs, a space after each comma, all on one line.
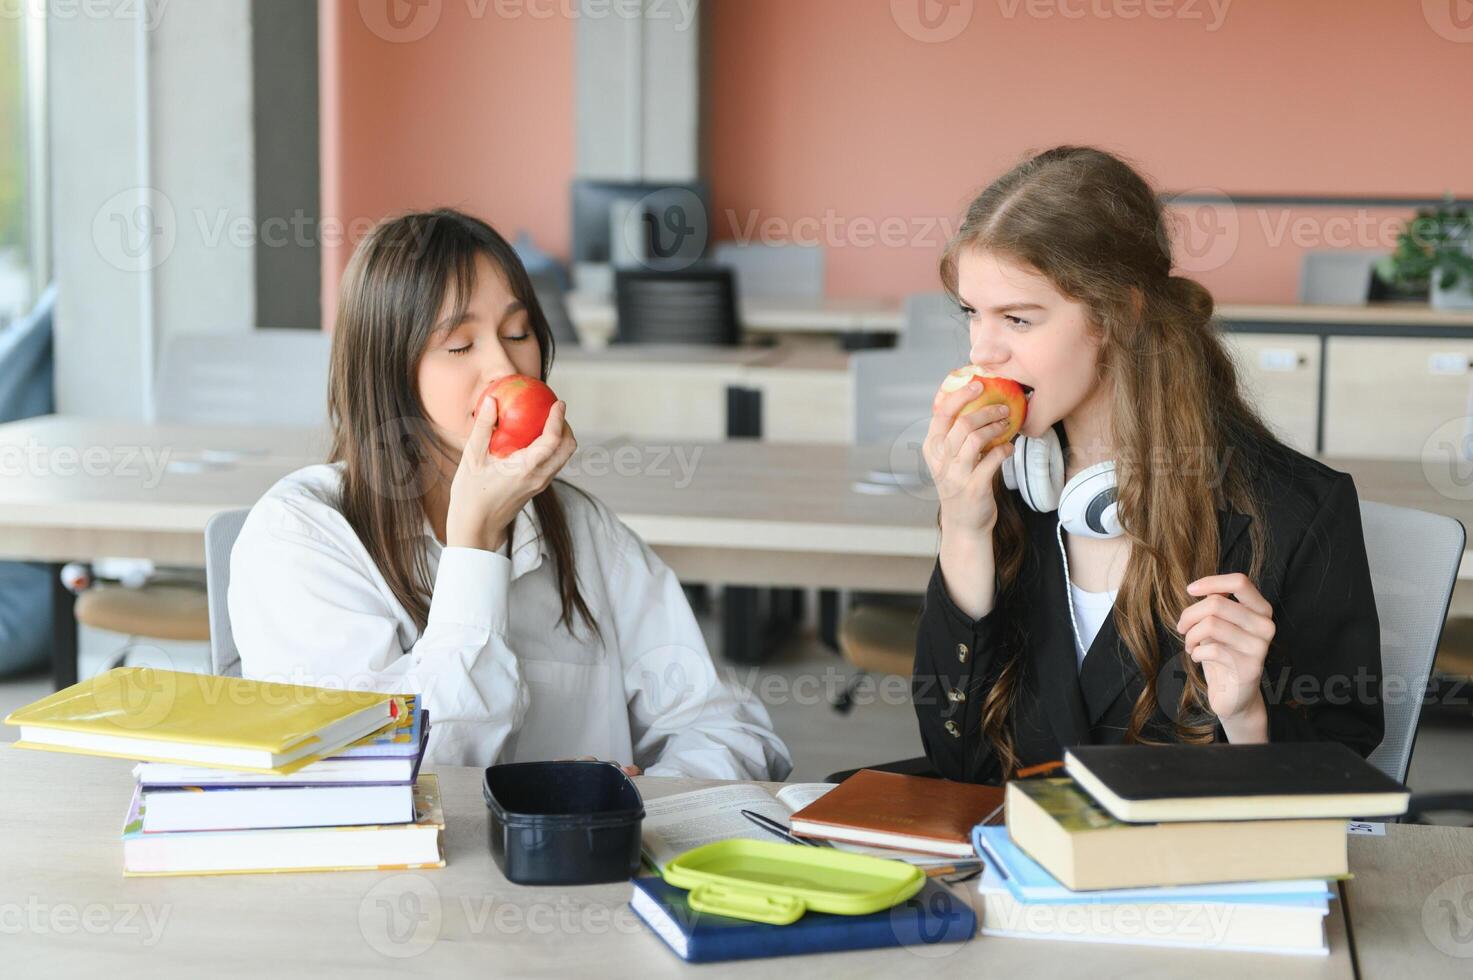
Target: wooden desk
[[595, 318], [67, 910], [741, 512], [1383, 319]]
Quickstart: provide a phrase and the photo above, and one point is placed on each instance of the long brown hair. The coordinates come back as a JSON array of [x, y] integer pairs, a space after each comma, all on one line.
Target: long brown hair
[[392, 293], [1093, 227]]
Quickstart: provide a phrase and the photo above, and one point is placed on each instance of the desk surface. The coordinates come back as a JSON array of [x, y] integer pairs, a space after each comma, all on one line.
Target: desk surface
[[720, 497], [69, 911]]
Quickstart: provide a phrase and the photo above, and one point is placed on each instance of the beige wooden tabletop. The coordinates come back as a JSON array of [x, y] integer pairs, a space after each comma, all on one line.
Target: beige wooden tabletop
[[818, 515], [68, 911]]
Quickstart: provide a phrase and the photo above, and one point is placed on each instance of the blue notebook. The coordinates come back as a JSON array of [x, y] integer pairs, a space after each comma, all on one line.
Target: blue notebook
[[933, 915], [1029, 882]]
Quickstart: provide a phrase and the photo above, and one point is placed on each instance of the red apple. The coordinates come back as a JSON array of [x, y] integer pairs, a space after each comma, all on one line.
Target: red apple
[[995, 391], [522, 404]]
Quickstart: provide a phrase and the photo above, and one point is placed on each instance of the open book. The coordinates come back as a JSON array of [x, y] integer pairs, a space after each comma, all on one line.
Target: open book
[[675, 824]]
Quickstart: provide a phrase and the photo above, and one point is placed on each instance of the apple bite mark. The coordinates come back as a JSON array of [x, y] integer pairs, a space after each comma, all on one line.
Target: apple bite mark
[[995, 391]]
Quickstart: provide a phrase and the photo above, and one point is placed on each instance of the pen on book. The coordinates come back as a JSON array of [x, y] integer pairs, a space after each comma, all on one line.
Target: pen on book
[[777, 829]]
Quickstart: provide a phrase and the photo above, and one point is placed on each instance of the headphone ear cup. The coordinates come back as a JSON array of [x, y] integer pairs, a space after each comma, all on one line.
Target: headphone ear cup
[[1040, 471], [1087, 506], [1009, 477]]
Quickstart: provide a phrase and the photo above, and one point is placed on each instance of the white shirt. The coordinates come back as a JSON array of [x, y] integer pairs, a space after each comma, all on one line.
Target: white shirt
[[1090, 610], [502, 681]]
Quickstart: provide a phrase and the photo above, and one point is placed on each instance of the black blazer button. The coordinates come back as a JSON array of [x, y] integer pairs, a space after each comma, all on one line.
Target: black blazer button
[[953, 729], [961, 652], [957, 696]]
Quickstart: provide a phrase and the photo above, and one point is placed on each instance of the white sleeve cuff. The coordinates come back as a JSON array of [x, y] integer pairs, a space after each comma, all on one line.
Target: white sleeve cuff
[[471, 587]]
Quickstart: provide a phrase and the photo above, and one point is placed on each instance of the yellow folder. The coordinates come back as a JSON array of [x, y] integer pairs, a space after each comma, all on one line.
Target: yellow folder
[[203, 719]]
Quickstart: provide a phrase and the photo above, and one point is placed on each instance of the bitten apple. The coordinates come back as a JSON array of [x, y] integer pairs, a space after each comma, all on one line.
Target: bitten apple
[[522, 405], [995, 391]]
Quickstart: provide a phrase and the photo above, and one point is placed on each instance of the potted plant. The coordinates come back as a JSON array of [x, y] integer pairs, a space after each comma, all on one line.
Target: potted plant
[[1435, 252]]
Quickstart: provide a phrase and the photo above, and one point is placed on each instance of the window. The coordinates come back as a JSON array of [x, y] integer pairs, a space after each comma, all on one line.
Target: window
[[23, 265]]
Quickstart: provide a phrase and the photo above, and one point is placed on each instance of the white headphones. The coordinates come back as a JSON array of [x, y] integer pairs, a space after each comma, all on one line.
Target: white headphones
[[1086, 504]]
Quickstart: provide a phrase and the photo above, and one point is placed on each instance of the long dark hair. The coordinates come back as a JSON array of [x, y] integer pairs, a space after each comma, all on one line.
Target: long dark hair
[[392, 293], [1091, 225]]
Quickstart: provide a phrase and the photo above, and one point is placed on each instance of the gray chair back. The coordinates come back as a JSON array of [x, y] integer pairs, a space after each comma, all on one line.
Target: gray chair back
[[933, 322], [220, 534], [1414, 558], [257, 377], [549, 292], [893, 389], [786, 271], [1337, 276]]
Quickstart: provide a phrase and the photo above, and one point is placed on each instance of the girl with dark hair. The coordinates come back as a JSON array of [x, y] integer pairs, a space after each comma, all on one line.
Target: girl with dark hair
[[530, 620], [1152, 564]]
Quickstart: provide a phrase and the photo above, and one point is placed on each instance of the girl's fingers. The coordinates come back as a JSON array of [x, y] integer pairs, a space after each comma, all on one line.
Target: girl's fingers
[[993, 417], [945, 406], [1222, 632], [479, 442], [1224, 608], [1236, 584]]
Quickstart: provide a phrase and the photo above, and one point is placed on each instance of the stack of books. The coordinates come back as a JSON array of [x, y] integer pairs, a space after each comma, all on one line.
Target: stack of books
[[242, 776], [1215, 846]]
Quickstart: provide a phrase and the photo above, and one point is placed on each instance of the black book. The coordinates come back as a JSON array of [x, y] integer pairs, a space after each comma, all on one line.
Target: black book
[[1272, 781]]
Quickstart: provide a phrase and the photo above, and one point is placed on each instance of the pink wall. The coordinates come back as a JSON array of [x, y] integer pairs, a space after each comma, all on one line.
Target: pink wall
[[462, 107], [828, 110]]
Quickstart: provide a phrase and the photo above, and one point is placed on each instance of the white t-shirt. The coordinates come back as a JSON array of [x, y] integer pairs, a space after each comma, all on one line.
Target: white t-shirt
[[1090, 610]]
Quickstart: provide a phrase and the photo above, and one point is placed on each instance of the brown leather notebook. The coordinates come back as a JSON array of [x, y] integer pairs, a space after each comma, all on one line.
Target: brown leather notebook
[[913, 813]]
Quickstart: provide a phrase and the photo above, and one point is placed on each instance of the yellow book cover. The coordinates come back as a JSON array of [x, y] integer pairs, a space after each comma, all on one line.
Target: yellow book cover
[[169, 715]]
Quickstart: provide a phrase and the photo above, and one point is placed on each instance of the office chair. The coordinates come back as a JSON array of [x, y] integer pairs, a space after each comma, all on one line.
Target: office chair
[[691, 306], [932, 321], [788, 271], [220, 534], [1414, 559], [1337, 276], [892, 407], [549, 291]]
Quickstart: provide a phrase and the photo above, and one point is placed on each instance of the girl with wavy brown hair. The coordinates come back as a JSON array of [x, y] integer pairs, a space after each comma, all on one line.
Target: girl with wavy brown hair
[[1214, 588], [530, 620]]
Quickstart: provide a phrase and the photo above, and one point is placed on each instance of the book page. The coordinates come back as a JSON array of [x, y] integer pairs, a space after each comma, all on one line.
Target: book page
[[795, 796], [675, 824]]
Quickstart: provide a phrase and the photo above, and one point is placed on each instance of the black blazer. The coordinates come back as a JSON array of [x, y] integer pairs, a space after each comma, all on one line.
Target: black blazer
[[1322, 675]]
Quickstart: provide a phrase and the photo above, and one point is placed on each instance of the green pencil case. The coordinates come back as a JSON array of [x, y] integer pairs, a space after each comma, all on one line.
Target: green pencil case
[[776, 883]]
